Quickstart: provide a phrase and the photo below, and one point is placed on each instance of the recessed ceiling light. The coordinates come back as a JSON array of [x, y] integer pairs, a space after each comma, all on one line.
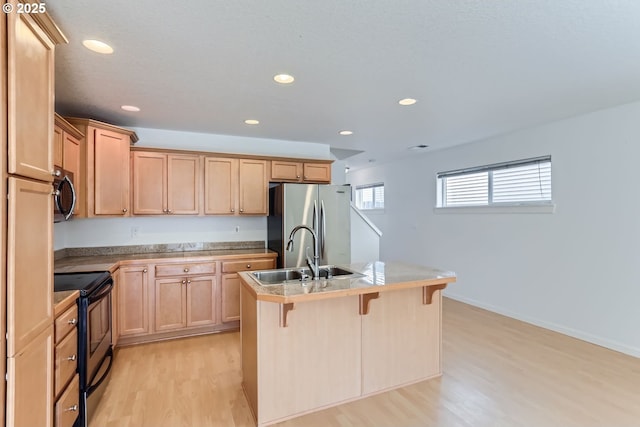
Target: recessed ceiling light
[[346, 132], [252, 121], [407, 101], [132, 108], [97, 46], [418, 147], [284, 79]]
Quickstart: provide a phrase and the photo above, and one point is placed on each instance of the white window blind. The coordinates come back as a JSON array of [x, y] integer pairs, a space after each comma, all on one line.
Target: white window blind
[[370, 196], [519, 182]]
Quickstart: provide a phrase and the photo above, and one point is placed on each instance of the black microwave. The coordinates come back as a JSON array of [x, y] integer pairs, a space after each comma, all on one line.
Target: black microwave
[[64, 195]]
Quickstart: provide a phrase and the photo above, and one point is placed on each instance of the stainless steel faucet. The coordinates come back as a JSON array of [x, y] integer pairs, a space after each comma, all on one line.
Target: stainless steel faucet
[[313, 264]]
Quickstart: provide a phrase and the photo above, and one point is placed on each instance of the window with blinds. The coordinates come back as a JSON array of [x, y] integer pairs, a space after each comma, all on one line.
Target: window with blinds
[[520, 182], [370, 196]]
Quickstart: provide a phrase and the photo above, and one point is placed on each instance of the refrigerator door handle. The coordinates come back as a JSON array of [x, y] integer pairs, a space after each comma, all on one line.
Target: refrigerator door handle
[[315, 216], [324, 227]]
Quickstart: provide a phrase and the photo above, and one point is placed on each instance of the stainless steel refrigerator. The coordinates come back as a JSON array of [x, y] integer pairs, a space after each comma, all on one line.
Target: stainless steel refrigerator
[[325, 208]]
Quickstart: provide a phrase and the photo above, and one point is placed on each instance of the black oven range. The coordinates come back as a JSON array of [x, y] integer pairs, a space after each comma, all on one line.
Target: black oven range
[[95, 352]]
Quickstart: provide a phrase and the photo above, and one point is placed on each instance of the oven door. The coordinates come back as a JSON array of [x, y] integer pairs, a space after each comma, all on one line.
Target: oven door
[[98, 333]]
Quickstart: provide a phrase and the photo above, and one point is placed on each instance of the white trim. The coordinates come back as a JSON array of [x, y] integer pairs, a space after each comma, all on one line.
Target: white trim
[[593, 339], [547, 208], [366, 220]]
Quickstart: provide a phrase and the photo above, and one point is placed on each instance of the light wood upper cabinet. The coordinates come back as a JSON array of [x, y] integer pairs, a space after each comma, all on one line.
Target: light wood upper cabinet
[[253, 187], [67, 154], [111, 173], [30, 59], [166, 183], [289, 171], [104, 178], [235, 186]]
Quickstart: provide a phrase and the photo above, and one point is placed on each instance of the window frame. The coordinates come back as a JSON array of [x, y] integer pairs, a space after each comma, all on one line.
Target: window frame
[[523, 206], [373, 187]]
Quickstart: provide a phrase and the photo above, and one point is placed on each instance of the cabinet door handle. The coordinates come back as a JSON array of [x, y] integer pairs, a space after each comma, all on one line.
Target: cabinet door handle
[[72, 321], [184, 282], [248, 265], [188, 282], [297, 176], [144, 271], [124, 210], [241, 210], [56, 173], [164, 210], [186, 270], [232, 210], [72, 358], [73, 408], [169, 211]]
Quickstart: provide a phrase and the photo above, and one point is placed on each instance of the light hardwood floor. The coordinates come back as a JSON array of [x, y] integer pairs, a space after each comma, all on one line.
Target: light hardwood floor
[[497, 372]]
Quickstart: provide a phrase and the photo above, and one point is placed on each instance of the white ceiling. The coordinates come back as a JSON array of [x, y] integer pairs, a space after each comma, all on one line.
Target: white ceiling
[[477, 67]]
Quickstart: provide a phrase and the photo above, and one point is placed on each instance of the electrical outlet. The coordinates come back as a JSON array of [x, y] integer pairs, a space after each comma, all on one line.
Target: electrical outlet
[[237, 228], [135, 231]]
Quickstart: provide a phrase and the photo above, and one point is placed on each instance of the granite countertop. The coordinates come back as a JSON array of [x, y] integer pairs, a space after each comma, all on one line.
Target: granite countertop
[[376, 276], [63, 300], [74, 264]]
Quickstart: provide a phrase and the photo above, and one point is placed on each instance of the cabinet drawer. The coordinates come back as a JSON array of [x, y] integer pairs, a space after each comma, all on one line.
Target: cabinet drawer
[[247, 265], [66, 322], [66, 361], [68, 406], [164, 270]]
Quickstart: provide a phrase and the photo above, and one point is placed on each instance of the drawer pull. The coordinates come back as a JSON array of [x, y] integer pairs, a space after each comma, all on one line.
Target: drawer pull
[[72, 321], [188, 282], [248, 265], [72, 358], [184, 281], [186, 270], [73, 408]]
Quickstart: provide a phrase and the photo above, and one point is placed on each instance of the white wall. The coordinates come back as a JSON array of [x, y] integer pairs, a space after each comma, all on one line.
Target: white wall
[[577, 270], [117, 231]]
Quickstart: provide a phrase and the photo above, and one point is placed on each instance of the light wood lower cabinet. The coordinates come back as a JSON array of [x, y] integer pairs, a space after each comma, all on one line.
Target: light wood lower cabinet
[[30, 383], [133, 301], [185, 302], [66, 382], [230, 285]]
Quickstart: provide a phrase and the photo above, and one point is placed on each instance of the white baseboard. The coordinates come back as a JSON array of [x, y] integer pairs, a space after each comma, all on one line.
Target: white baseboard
[[603, 342]]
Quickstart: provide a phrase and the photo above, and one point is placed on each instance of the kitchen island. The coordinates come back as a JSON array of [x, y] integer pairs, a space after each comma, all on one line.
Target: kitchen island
[[315, 344]]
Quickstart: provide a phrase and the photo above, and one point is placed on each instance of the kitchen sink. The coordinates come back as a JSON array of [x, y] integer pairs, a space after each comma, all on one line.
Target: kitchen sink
[[289, 275]]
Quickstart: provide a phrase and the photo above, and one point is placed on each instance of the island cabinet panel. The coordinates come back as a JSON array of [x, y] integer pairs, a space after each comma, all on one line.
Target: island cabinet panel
[[133, 301], [314, 362], [400, 340]]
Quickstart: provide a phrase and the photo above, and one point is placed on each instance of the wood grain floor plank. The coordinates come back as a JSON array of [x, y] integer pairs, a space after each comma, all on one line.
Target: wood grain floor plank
[[498, 372]]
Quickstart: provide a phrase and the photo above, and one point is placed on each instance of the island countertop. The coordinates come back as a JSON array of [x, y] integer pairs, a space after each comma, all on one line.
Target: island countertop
[[377, 276]]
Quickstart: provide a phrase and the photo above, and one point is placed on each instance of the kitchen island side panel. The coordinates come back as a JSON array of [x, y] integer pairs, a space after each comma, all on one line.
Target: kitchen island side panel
[[313, 362], [401, 340], [249, 347]]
